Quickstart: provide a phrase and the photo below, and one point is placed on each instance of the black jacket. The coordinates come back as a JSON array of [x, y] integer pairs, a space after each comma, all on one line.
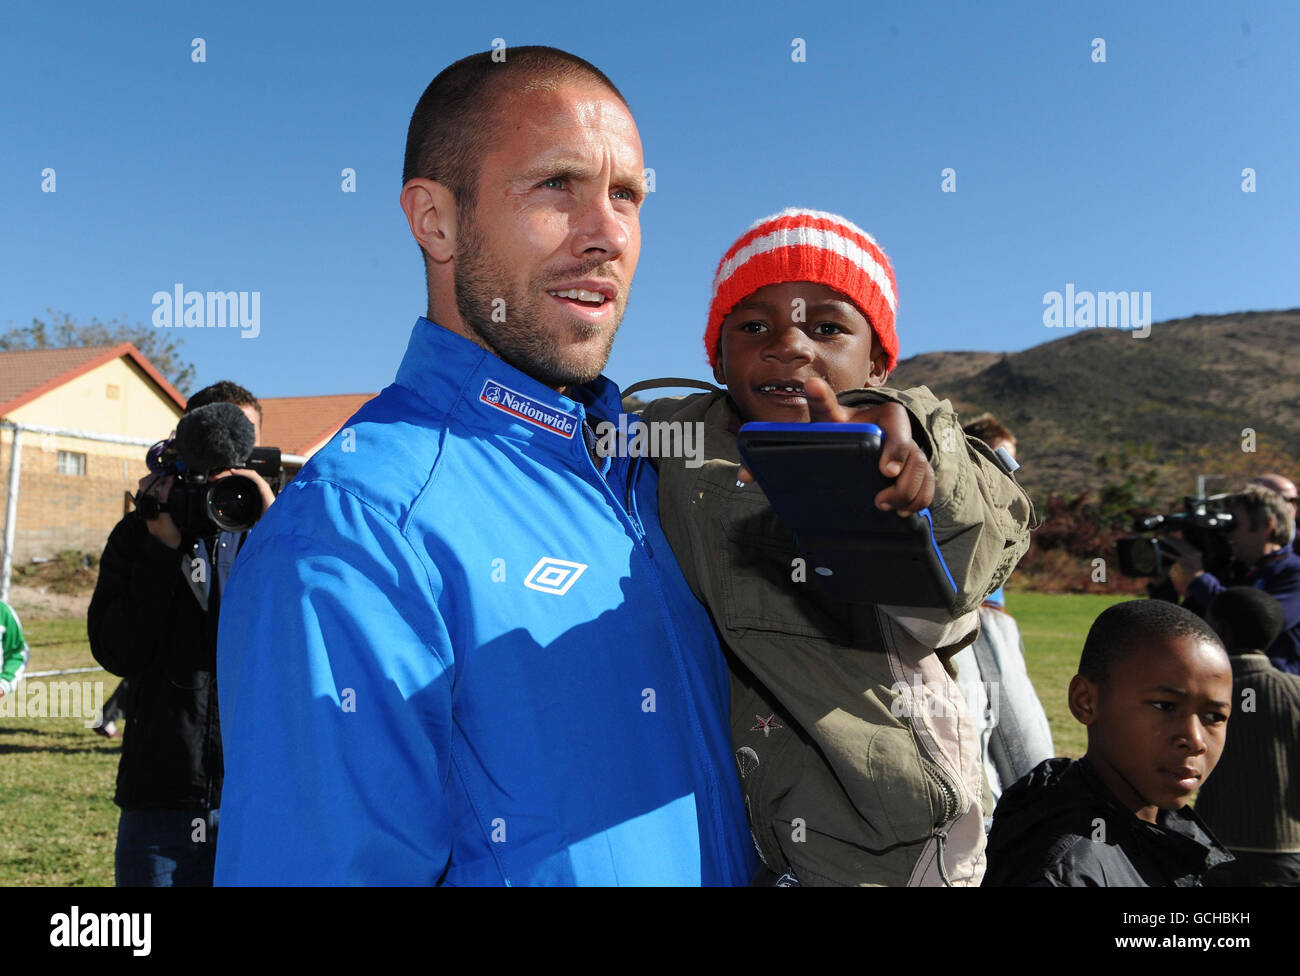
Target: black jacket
[[146, 623], [1061, 827]]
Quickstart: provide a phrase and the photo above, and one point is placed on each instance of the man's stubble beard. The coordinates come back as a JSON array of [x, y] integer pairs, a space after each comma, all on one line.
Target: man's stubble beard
[[480, 280]]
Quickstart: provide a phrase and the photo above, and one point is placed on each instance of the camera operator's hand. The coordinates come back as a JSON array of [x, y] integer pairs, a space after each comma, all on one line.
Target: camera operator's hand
[[162, 528], [263, 488], [902, 458], [1190, 565]]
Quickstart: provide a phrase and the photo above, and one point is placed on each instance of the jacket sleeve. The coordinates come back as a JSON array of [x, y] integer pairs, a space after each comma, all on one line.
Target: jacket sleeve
[[334, 681], [1201, 592], [981, 514], [129, 613]]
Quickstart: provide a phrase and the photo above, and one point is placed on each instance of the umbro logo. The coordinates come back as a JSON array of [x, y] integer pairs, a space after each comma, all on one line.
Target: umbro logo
[[554, 575]]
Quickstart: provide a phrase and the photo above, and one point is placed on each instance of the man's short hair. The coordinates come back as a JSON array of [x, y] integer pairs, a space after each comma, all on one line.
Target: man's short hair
[[1275, 482], [1260, 504], [1250, 618], [224, 392], [451, 128], [988, 429], [1125, 627]]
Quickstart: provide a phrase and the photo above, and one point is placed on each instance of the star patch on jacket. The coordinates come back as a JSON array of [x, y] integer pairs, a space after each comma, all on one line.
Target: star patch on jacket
[[766, 725]]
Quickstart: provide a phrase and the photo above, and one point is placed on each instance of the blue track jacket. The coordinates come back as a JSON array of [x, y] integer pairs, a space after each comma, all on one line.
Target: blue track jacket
[[452, 652]]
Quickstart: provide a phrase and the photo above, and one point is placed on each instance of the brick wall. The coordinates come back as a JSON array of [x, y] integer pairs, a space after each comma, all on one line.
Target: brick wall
[[62, 511]]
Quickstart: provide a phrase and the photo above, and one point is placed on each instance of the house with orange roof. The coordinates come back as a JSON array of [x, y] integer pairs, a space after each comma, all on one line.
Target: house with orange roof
[[300, 426], [85, 418]]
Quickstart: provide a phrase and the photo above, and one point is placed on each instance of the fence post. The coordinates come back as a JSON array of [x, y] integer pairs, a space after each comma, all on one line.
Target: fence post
[[11, 508]]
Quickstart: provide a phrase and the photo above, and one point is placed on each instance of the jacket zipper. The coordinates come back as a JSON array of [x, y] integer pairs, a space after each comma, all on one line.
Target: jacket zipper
[[951, 807]]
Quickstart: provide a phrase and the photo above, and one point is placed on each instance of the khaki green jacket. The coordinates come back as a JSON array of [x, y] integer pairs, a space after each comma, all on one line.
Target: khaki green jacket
[[858, 760]]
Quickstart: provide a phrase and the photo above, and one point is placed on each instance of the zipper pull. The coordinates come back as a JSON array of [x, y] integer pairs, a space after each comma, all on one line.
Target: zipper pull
[[941, 836]]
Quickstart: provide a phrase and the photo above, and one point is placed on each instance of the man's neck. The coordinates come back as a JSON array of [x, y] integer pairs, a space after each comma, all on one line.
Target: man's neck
[[454, 323]]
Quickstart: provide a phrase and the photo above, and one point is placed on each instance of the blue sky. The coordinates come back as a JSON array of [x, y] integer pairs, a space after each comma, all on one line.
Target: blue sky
[[225, 175]]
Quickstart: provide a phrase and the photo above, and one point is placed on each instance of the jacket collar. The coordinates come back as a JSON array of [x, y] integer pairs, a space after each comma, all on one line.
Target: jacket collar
[[1269, 565], [1178, 842], [485, 393]]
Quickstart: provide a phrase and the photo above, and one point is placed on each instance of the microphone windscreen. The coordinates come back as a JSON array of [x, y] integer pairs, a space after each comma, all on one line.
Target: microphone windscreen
[[216, 436]]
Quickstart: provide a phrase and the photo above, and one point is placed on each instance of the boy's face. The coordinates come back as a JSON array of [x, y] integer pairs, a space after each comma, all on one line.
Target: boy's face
[[782, 335], [1157, 724]]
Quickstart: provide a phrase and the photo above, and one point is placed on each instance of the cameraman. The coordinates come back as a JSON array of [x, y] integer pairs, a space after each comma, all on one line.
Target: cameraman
[[153, 619], [1263, 523]]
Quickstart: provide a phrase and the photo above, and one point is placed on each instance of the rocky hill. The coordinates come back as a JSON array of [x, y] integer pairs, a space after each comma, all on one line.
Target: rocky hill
[[1099, 405]]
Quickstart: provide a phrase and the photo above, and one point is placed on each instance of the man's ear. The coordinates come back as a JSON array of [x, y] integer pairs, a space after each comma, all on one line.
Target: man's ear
[[1082, 698], [719, 368], [430, 209]]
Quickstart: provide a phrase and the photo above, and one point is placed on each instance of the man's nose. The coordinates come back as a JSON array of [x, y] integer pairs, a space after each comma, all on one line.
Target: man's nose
[[601, 228]]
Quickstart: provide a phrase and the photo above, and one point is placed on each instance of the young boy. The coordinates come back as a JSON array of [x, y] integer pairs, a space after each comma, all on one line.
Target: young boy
[[1154, 689], [1251, 804], [856, 753]]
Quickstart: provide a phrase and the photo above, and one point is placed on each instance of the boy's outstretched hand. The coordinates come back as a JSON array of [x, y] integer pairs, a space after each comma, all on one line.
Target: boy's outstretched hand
[[902, 458]]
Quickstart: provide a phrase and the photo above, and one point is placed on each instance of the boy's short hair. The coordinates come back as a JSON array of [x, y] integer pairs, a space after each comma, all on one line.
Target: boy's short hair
[[989, 429], [1251, 618], [224, 391], [1261, 504], [1122, 628]]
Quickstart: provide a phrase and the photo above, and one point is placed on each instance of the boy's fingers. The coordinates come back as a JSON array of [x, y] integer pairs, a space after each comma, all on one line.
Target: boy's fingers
[[823, 408], [744, 477], [917, 481], [893, 420], [913, 490]]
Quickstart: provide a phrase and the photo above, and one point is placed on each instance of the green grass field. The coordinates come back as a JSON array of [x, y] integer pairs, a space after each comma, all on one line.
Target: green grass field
[[58, 823], [1053, 627]]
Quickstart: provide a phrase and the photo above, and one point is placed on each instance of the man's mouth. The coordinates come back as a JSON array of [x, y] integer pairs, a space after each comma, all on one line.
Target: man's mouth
[[593, 299]]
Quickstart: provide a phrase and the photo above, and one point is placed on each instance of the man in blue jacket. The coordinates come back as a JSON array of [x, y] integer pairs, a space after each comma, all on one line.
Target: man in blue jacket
[[458, 650], [1263, 526]]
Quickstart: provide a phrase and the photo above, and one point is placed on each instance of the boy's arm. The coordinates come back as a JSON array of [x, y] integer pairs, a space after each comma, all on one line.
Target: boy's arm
[[981, 515]]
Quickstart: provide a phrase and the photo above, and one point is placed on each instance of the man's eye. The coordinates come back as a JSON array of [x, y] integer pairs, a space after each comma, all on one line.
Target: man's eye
[[1215, 718], [753, 328], [1164, 706], [828, 328], [626, 195], [559, 180]]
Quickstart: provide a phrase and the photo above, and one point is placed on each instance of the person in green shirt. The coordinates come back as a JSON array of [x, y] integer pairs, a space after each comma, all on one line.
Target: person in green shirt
[[13, 650]]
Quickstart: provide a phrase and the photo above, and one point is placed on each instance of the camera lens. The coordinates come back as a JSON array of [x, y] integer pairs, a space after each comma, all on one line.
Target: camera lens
[[234, 503]]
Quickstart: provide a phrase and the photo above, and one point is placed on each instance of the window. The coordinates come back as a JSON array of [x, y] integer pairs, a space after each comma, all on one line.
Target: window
[[73, 463]]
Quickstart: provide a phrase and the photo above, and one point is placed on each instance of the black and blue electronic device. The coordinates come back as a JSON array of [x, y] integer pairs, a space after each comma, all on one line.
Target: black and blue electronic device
[[822, 480]]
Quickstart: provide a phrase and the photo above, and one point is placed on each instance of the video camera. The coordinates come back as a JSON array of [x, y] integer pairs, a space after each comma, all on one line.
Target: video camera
[[207, 440], [1204, 523]]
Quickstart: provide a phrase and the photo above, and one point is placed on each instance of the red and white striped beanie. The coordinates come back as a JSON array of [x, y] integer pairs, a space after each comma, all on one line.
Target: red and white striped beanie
[[807, 245]]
